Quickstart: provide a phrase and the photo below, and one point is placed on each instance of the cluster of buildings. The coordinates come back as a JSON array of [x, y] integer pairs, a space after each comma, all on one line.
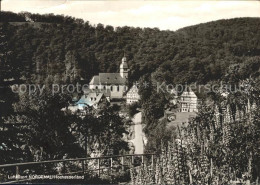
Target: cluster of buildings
[[107, 87], [113, 83], [113, 87]]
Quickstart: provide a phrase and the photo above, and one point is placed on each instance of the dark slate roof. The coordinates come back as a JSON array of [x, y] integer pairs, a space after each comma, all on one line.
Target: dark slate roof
[[108, 78]]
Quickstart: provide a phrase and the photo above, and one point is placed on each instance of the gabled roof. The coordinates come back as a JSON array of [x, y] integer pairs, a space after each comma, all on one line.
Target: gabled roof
[[90, 99], [108, 79], [188, 93], [133, 89], [94, 80]]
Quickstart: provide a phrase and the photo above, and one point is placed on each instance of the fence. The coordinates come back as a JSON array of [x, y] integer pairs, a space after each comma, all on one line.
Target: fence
[[19, 172]]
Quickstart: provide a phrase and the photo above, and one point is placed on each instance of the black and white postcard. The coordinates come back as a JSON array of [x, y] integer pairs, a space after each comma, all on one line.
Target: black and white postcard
[[129, 92]]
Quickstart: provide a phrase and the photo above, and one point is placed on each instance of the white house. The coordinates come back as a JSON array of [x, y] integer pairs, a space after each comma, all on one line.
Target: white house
[[188, 101], [132, 95]]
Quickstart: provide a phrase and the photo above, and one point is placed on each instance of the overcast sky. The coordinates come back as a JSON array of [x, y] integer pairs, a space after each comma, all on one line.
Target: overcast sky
[[170, 15]]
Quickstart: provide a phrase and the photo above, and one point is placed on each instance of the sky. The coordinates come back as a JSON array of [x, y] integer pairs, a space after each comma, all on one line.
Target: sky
[[165, 15]]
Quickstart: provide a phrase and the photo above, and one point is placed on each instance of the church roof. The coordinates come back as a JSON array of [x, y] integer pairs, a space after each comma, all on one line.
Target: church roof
[[94, 80], [108, 79]]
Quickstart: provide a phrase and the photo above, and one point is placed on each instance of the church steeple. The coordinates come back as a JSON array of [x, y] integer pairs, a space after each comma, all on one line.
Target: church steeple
[[124, 58], [124, 68]]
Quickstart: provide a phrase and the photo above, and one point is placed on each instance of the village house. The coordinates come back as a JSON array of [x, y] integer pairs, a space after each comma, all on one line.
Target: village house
[[187, 108], [92, 99], [116, 83], [188, 101], [132, 95]]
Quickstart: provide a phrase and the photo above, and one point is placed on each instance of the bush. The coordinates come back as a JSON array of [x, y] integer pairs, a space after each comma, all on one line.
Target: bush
[[133, 109]]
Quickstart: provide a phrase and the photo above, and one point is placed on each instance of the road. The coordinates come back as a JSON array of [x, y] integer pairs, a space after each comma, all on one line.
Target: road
[[139, 136]]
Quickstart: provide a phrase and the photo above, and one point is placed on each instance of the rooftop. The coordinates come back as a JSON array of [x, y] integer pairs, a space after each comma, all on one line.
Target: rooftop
[[188, 93], [90, 99], [108, 79]]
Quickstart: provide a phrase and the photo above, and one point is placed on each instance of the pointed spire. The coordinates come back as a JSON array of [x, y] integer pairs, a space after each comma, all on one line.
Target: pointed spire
[[124, 58]]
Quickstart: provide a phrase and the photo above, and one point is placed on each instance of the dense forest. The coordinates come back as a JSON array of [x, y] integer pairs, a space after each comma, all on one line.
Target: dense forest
[[65, 49]]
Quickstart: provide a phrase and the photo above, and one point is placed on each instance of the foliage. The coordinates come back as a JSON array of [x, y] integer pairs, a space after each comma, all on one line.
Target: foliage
[[133, 109], [153, 103], [9, 150], [158, 134], [102, 132], [219, 146], [67, 48], [50, 131], [46, 132]]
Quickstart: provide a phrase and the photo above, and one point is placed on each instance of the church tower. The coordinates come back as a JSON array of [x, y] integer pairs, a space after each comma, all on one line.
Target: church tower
[[124, 68]]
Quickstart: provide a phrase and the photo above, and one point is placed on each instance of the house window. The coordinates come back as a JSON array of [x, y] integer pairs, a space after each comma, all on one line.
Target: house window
[[96, 87], [111, 88], [118, 88]]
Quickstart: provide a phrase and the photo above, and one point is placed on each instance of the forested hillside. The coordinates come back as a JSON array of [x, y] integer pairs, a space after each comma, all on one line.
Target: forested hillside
[[64, 49]]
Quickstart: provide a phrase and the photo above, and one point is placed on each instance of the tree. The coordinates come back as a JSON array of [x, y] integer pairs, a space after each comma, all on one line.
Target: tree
[[133, 109], [103, 132], [215, 147], [47, 129], [9, 149]]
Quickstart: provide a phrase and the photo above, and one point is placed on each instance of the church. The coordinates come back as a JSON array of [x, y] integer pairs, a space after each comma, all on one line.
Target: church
[[113, 83]]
